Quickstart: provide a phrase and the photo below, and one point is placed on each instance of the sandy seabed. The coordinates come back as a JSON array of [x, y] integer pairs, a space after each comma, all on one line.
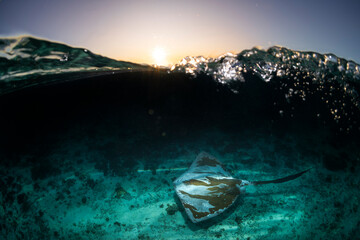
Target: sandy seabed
[[73, 197]]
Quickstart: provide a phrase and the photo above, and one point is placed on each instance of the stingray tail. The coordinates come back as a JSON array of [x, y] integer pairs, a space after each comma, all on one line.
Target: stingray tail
[[281, 180]]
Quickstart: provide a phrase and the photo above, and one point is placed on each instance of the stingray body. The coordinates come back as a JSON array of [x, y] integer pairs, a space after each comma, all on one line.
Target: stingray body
[[206, 189]]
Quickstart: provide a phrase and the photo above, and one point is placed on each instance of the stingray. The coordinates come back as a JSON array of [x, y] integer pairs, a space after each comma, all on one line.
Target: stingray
[[206, 189]]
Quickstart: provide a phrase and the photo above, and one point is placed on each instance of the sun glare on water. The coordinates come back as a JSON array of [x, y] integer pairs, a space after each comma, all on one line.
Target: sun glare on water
[[159, 56]]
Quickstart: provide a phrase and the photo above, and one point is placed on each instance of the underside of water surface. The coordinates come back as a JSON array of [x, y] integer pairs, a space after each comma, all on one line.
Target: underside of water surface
[[91, 151]]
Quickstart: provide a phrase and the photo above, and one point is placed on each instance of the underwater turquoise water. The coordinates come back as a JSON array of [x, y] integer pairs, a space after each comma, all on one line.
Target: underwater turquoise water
[[90, 146]]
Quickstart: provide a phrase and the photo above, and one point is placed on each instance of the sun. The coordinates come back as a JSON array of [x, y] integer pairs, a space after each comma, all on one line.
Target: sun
[[159, 56]]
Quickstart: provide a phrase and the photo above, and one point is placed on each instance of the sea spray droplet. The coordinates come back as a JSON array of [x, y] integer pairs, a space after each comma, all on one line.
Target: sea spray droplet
[[64, 58]]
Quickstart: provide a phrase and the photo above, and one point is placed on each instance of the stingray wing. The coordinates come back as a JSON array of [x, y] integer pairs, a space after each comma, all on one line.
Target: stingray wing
[[204, 165], [206, 189]]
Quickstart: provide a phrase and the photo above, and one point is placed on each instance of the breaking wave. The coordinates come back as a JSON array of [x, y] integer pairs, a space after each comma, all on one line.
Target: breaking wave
[[24, 59], [296, 76]]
